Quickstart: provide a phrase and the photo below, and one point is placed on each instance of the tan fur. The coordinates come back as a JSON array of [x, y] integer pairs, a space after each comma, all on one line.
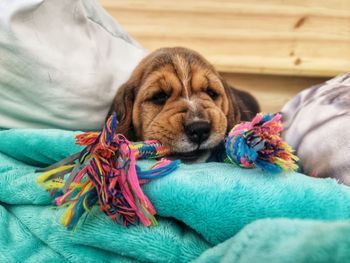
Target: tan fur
[[185, 76]]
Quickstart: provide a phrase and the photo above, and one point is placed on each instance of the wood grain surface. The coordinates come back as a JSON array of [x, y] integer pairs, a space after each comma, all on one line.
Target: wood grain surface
[[290, 37]]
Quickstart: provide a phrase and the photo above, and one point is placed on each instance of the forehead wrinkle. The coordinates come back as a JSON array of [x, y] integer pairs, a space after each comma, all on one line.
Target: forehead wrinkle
[[169, 82], [199, 80], [161, 78], [214, 80], [151, 79]]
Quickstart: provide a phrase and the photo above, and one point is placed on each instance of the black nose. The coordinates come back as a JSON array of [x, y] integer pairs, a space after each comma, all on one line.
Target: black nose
[[198, 131]]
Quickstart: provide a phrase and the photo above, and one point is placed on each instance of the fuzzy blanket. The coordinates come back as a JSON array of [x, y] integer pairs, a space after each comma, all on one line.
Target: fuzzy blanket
[[211, 212]]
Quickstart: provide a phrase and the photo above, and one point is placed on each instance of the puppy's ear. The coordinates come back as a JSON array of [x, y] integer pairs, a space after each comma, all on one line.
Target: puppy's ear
[[123, 105], [242, 106], [124, 100], [234, 112]]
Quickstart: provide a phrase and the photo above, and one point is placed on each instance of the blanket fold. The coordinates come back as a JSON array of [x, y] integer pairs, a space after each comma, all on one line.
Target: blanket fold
[[207, 212], [284, 240]]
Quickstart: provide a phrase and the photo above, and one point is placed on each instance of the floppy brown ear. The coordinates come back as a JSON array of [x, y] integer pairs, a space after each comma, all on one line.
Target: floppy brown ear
[[123, 105], [234, 112], [242, 106], [123, 102]]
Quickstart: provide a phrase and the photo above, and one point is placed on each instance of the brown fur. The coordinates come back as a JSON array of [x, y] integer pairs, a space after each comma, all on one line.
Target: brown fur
[[186, 77]]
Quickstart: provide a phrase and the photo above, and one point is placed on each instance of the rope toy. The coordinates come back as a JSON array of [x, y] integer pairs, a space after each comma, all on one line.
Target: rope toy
[[105, 171], [258, 144]]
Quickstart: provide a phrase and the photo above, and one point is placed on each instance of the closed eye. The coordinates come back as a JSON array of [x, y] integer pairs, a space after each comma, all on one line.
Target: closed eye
[[159, 98], [212, 94]]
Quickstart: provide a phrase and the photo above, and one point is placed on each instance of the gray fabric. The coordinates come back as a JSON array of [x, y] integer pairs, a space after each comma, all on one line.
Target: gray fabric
[[61, 62], [317, 125]]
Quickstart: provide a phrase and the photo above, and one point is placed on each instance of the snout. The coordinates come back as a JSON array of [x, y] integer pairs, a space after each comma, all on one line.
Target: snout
[[198, 131]]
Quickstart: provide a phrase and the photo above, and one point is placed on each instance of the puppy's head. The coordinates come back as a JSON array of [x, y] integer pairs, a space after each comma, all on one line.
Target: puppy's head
[[175, 96]]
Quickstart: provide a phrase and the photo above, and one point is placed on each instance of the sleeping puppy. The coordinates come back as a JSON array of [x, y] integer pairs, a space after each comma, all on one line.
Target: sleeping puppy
[[175, 96]]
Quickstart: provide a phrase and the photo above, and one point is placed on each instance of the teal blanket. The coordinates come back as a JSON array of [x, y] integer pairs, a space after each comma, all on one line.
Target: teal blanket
[[211, 212]]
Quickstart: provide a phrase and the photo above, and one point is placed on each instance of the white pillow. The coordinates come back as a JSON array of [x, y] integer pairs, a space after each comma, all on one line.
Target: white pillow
[[61, 62]]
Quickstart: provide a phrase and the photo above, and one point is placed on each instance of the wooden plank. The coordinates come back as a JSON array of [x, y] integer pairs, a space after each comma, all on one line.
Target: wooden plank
[[292, 37], [271, 91]]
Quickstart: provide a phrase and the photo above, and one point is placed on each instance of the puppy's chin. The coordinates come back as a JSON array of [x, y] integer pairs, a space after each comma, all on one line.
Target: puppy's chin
[[197, 156]]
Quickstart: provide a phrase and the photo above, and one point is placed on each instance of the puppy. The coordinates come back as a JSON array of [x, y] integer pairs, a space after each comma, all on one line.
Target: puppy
[[176, 96]]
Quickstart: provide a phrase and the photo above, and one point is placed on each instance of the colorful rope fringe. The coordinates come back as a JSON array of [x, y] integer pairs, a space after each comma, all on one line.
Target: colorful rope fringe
[[106, 172], [258, 144]]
